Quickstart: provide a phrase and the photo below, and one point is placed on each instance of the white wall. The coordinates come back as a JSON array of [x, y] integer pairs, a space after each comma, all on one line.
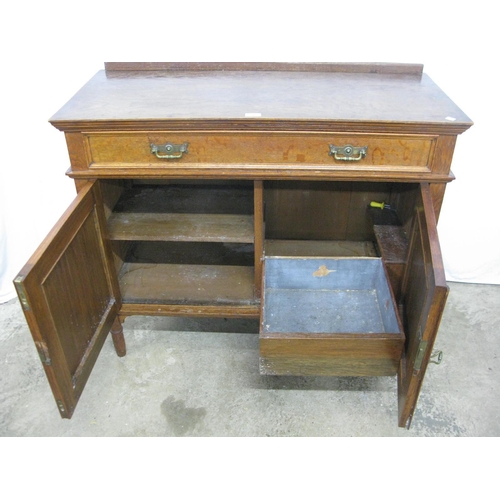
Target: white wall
[[52, 49]]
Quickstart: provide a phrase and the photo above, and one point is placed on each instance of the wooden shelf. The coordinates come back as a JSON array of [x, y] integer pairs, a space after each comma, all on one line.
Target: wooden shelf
[[393, 245], [182, 227], [187, 284], [392, 242]]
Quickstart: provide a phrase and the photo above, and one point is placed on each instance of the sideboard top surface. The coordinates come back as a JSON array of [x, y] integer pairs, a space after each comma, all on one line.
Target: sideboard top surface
[[248, 98]]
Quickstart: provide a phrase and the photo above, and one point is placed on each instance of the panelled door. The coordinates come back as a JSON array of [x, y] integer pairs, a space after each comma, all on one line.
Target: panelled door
[[69, 294], [424, 293]]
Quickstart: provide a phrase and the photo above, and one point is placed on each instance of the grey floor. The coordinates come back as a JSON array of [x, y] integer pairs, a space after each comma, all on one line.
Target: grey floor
[[184, 377]]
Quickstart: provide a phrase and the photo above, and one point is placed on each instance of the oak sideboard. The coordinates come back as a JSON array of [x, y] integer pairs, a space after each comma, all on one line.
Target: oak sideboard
[[303, 194]]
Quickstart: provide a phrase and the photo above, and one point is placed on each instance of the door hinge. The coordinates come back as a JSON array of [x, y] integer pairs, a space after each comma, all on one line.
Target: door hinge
[[18, 283], [422, 347], [43, 352]]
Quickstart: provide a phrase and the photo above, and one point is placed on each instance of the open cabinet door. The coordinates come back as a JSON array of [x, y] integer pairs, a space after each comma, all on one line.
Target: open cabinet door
[[424, 293], [68, 293]]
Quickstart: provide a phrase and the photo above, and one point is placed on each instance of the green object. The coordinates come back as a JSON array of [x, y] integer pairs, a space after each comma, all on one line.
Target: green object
[[381, 205]]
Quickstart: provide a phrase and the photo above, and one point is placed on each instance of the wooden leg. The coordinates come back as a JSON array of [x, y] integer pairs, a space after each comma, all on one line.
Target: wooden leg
[[118, 338]]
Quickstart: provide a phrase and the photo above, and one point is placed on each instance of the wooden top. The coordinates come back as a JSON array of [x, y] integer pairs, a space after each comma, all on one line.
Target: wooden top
[[255, 96], [395, 68]]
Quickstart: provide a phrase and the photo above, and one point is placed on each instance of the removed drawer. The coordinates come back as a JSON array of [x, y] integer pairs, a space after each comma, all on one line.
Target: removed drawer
[[328, 316]]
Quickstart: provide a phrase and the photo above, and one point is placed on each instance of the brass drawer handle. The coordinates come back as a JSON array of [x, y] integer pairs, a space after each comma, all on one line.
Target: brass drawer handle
[[348, 152], [169, 151]]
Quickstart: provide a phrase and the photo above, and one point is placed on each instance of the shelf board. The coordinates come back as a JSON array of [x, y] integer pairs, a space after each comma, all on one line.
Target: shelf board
[[183, 310], [392, 242], [187, 284], [224, 228]]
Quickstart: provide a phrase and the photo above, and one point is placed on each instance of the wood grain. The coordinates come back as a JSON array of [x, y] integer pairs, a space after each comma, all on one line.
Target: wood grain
[[381, 68], [406, 153], [182, 227], [259, 234], [321, 210], [424, 293], [187, 284], [192, 310], [71, 304], [333, 355], [262, 172], [119, 100], [392, 243]]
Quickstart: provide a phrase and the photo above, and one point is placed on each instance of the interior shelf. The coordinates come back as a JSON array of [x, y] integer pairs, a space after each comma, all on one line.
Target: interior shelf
[[187, 284], [392, 242], [181, 227], [184, 243], [184, 212]]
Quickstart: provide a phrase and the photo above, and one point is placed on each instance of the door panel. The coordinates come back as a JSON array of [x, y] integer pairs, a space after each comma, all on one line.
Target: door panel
[[424, 293], [67, 290]]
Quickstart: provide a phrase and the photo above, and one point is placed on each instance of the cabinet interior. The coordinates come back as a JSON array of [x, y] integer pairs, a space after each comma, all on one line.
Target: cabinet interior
[[201, 242]]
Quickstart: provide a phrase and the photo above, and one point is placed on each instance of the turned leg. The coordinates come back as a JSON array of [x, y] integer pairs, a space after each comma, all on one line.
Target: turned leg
[[118, 338]]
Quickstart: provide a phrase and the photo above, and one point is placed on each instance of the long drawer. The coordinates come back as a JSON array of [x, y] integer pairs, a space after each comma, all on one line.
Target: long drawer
[[408, 154]]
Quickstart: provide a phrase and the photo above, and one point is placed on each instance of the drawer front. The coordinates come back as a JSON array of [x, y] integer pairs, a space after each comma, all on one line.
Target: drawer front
[[331, 356], [382, 153]]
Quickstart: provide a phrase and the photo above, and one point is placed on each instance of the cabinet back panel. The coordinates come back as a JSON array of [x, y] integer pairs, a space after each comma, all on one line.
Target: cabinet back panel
[[185, 198], [321, 210], [204, 253]]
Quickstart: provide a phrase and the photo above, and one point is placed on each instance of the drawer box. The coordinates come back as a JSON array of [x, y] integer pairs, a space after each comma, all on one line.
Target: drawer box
[[384, 153], [333, 316]]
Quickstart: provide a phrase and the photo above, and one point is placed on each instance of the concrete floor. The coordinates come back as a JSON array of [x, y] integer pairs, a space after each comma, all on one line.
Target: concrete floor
[[184, 377]]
